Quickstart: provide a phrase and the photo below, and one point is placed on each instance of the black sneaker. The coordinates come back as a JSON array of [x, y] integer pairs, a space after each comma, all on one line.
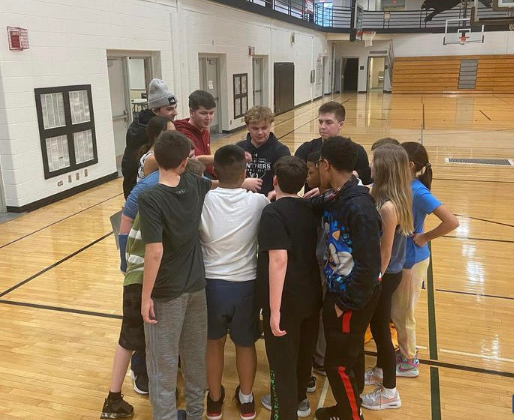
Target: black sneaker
[[140, 382], [330, 413], [311, 385], [319, 369], [246, 410], [214, 408], [117, 409]]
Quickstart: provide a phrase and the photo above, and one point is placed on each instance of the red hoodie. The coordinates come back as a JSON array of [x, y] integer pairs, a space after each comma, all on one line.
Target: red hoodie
[[201, 138]]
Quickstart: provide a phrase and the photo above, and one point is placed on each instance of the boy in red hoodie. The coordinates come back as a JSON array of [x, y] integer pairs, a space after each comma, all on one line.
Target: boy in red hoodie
[[201, 112]]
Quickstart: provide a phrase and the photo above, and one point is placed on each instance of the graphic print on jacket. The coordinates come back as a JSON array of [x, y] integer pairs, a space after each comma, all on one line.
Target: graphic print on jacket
[[340, 261], [258, 167]]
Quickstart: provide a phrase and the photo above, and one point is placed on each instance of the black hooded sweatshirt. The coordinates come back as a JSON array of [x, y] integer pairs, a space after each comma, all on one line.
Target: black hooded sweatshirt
[[352, 268], [136, 137]]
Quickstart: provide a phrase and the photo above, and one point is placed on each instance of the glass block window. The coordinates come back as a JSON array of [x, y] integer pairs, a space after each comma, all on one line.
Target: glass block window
[[240, 94], [66, 128]]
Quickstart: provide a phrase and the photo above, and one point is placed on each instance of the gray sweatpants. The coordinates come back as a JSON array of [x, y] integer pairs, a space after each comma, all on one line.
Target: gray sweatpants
[[181, 329]]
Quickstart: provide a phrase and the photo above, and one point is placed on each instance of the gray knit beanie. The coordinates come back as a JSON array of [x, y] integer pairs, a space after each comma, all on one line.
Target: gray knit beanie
[[159, 95]]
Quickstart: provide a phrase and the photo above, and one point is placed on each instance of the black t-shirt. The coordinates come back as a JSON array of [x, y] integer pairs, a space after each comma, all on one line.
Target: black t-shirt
[[361, 166], [171, 216], [263, 160], [290, 223]]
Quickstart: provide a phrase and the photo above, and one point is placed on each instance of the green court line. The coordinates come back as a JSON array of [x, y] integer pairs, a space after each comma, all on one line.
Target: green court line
[[435, 393], [432, 331]]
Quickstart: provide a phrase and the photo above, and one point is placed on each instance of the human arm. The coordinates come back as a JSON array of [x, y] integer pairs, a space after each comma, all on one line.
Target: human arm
[[150, 165], [448, 223], [153, 257], [252, 184], [277, 276], [125, 226], [389, 222], [207, 160]]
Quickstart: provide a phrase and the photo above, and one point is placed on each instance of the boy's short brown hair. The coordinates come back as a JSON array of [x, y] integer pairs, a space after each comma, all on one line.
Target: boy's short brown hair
[[291, 173], [171, 148], [194, 166], [259, 114], [335, 108]]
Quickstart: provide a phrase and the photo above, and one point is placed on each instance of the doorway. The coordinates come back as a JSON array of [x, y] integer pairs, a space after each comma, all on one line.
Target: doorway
[[258, 81], [350, 72], [209, 68], [326, 80], [128, 78], [376, 72], [283, 87]]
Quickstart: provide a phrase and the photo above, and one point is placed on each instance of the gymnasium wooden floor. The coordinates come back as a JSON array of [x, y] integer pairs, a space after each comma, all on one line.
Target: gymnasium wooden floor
[[60, 288]]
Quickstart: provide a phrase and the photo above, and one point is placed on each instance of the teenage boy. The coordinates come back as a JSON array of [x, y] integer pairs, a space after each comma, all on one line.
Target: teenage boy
[[228, 234], [264, 147], [160, 102], [132, 336], [173, 302], [202, 106], [331, 116], [352, 273], [289, 289]]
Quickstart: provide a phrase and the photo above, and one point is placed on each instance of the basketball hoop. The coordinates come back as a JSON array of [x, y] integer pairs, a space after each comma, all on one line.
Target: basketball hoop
[[463, 39], [511, 27], [367, 37]]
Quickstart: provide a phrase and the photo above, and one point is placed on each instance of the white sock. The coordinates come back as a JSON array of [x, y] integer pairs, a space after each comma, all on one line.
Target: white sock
[[379, 372], [245, 398], [389, 392]]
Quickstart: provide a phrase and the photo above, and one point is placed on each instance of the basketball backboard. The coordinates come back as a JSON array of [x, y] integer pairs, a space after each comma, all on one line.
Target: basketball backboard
[[459, 31]]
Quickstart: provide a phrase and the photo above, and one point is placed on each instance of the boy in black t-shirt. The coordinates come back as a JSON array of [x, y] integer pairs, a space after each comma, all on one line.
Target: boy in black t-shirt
[[173, 302], [289, 289], [264, 147]]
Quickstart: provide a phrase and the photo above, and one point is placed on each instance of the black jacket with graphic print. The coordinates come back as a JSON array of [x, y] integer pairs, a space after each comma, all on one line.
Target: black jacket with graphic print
[[354, 226], [263, 160]]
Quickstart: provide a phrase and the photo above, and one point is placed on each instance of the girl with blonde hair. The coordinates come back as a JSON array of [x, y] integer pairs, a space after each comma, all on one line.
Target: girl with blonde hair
[[392, 193]]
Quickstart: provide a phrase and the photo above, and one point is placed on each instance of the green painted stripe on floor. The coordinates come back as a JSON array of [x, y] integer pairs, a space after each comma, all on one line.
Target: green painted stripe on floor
[[435, 393], [432, 330]]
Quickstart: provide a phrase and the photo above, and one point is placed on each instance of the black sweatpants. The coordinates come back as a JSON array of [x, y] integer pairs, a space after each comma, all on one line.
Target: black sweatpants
[[344, 359], [379, 325], [290, 360]]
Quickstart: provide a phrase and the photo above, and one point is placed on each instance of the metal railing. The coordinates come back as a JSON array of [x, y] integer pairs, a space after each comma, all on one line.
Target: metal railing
[[338, 19]]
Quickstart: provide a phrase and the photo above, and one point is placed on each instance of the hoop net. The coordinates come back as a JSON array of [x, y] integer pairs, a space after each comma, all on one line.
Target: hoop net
[[511, 27], [367, 37], [463, 39]]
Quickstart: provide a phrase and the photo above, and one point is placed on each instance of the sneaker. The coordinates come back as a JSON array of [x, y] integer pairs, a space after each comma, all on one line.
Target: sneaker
[[311, 385], [304, 408], [373, 377], [328, 413], [319, 369], [214, 408], [398, 355], [116, 409], [407, 369], [246, 410], [376, 400], [140, 382]]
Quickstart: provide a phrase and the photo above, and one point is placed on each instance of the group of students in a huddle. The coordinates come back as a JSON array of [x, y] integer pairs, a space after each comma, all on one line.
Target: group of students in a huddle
[[205, 253]]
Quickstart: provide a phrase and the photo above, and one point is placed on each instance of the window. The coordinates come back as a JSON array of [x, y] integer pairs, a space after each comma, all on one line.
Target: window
[[66, 128], [240, 94]]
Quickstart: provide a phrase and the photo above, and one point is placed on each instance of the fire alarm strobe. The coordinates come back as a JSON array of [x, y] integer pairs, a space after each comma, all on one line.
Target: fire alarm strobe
[[18, 38]]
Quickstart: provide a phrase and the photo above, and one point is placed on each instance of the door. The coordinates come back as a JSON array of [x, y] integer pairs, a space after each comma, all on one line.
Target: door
[[326, 80], [376, 72], [283, 87], [210, 82], [319, 78], [351, 74], [118, 86], [338, 77], [257, 71]]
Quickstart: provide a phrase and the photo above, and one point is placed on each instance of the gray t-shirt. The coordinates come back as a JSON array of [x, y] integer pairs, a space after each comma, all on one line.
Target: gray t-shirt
[[171, 216]]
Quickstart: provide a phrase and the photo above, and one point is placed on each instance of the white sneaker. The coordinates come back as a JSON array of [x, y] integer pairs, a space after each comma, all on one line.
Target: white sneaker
[[373, 377], [376, 400], [304, 408]]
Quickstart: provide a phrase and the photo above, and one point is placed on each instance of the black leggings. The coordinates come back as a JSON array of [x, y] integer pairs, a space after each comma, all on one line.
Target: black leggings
[[380, 329]]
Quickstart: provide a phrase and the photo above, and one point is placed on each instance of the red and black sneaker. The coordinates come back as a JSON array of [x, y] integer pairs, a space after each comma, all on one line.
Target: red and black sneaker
[[215, 408], [246, 410]]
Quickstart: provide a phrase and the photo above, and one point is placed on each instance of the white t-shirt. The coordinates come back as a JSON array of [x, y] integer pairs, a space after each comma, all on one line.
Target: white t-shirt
[[228, 233]]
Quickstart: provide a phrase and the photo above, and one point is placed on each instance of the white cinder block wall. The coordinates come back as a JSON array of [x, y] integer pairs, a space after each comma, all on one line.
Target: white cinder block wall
[[69, 42]]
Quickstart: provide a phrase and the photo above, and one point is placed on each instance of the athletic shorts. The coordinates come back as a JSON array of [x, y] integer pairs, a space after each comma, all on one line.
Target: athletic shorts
[[232, 308], [132, 334]]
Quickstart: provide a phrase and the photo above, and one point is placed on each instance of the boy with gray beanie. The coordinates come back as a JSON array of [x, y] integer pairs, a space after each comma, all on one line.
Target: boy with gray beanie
[[160, 102]]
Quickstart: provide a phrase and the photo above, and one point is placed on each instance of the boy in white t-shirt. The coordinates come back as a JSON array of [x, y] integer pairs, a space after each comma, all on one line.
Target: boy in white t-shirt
[[228, 234]]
